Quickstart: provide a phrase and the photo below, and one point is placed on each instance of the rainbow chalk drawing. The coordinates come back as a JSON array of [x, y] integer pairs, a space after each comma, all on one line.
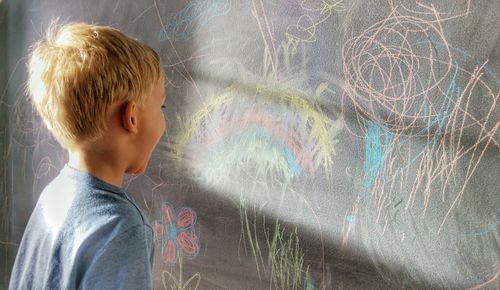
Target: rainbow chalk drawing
[[282, 137], [194, 16]]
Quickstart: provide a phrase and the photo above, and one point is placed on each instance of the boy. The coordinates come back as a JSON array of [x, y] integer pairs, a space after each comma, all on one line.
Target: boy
[[101, 95]]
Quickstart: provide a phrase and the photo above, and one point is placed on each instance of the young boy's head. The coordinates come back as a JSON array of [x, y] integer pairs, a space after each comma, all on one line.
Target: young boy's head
[[79, 70]]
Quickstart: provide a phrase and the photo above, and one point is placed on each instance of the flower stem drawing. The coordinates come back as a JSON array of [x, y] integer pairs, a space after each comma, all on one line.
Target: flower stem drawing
[[178, 239]]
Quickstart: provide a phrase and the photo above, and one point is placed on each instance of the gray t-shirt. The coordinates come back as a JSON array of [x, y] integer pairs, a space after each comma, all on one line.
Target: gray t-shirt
[[84, 234]]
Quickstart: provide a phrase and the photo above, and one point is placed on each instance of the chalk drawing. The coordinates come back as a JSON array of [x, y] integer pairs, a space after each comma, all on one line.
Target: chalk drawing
[[285, 263], [178, 239], [401, 75], [376, 149], [176, 233], [284, 142], [194, 16], [493, 279], [304, 31], [485, 230]]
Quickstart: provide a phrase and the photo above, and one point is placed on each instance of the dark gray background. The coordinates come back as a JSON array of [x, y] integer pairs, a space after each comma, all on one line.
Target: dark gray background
[[410, 197]]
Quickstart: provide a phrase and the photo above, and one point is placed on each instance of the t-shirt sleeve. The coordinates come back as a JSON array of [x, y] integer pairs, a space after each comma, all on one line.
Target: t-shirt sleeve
[[123, 263]]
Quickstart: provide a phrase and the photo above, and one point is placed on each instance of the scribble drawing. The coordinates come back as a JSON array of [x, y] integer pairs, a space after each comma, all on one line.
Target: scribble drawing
[[176, 233], [282, 137], [275, 49], [384, 75], [195, 15], [28, 129], [402, 77], [422, 10], [304, 31]]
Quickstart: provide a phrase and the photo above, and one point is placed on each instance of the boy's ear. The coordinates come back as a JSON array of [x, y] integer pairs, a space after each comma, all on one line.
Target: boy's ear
[[129, 117]]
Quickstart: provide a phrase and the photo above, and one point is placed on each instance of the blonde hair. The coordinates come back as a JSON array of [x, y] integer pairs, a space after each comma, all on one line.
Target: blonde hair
[[79, 69]]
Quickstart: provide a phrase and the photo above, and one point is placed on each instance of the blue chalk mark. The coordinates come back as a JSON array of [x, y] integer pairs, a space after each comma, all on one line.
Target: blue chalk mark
[[376, 145], [489, 228], [350, 219], [376, 150], [196, 15], [171, 231], [453, 92], [291, 161], [378, 138]]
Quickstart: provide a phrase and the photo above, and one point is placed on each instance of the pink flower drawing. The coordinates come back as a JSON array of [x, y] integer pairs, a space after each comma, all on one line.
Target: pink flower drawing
[[176, 233]]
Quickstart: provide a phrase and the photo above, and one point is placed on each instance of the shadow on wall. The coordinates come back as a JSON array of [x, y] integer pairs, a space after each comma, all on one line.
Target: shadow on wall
[[11, 80]]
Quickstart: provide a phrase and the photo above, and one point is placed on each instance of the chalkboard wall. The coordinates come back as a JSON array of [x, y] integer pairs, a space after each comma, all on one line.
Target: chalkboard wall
[[310, 144]]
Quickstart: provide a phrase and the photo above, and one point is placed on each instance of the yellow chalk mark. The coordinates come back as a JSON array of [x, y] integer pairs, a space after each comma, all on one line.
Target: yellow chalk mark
[[192, 125], [305, 29]]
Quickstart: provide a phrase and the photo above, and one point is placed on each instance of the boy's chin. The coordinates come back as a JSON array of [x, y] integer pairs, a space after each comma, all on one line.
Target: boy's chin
[[137, 171]]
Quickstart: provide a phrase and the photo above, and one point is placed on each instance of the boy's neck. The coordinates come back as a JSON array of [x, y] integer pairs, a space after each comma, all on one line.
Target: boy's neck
[[98, 166]]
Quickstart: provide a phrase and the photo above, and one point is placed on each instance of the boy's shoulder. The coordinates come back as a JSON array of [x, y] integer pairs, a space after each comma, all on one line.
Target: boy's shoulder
[[75, 199], [79, 224]]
